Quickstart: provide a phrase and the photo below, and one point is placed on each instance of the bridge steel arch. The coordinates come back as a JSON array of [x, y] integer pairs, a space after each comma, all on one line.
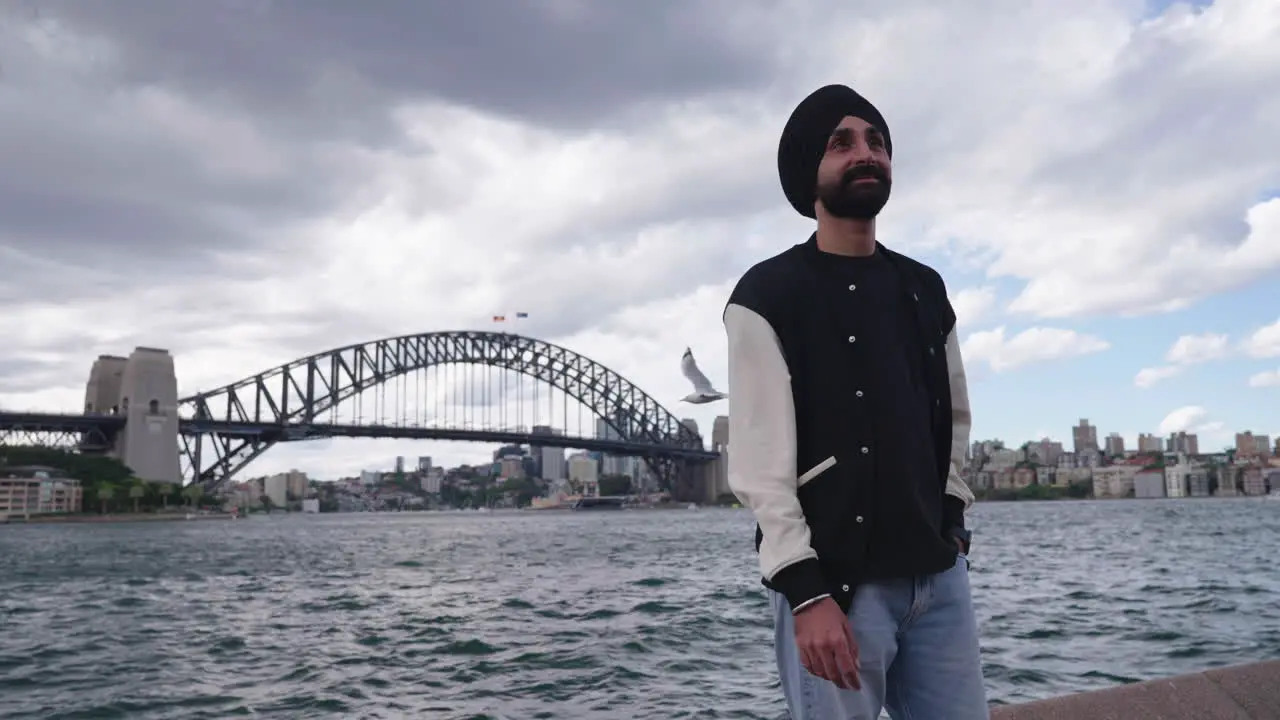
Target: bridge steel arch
[[300, 392]]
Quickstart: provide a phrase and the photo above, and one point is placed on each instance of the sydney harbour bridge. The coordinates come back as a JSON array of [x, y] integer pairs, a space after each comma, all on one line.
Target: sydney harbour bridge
[[457, 385]]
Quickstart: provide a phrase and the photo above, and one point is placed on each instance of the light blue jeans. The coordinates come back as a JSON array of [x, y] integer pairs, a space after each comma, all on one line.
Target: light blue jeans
[[918, 646]]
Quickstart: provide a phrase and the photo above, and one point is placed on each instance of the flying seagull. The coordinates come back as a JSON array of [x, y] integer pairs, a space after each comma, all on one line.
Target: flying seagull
[[702, 390]]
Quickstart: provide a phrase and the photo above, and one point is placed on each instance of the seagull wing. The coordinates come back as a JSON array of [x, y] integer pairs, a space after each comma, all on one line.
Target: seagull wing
[[689, 367]]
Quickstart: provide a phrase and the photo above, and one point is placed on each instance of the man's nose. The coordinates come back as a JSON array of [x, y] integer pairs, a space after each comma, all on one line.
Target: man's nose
[[860, 154]]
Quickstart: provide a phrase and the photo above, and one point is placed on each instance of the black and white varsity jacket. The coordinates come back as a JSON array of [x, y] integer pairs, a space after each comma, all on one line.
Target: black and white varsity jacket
[[799, 430]]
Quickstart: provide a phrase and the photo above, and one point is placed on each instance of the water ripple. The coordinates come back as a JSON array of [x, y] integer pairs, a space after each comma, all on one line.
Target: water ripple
[[578, 615]]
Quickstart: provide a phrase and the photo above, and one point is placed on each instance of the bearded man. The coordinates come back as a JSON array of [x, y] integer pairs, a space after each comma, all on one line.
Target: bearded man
[[850, 416]]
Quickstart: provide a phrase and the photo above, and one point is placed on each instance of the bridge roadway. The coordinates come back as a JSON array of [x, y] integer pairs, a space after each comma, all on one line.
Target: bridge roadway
[[105, 426]]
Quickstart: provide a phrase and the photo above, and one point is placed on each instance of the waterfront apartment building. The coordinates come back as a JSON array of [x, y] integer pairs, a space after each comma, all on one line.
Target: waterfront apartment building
[[1186, 480], [1114, 481], [26, 491], [1149, 483]]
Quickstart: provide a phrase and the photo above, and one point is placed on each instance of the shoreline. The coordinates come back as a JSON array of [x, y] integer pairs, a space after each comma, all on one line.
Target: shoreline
[[114, 518]]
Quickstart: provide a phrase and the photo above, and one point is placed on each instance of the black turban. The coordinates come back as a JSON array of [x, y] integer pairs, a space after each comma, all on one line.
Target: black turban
[[804, 140]]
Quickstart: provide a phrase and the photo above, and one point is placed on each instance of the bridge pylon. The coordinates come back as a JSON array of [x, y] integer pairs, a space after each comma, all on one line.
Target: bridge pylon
[[143, 388]]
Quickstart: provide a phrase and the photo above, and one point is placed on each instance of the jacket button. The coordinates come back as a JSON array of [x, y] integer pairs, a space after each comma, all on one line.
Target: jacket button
[[931, 352], [865, 450], [853, 339], [853, 287], [858, 393], [844, 588], [858, 519]]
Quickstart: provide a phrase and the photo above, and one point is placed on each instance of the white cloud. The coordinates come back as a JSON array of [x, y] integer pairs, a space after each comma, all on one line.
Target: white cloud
[[1266, 378], [1193, 349], [1033, 345], [1046, 198], [1264, 342], [1186, 350], [1148, 377], [1196, 420], [972, 305]]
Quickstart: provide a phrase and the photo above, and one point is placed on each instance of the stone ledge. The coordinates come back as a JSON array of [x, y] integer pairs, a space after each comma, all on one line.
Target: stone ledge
[[1241, 692]]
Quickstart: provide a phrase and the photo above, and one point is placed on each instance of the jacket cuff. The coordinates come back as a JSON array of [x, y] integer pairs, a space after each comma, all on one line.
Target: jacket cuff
[[952, 514], [800, 582]]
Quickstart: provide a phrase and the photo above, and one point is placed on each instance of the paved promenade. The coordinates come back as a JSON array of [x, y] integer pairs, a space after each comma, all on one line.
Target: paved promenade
[[1241, 692]]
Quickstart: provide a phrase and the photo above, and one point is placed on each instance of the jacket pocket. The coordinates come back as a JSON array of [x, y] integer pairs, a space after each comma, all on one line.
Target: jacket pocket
[[816, 470]]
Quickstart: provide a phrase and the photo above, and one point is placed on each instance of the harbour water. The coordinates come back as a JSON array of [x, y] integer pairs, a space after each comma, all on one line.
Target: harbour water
[[636, 614]]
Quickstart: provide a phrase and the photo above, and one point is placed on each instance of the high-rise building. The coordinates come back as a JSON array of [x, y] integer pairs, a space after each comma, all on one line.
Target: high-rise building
[[1183, 442], [1045, 451], [618, 429], [276, 487], [1115, 445], [1084, 437], [549, 461], [1249, 445], [285, 486], [511, 466], [1150, 443], [424, 464]]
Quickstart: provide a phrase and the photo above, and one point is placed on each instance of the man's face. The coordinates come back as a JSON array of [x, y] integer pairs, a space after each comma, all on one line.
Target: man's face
[[855, 174]]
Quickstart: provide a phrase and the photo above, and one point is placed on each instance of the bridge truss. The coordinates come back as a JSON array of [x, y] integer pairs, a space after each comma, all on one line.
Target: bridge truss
[[72, 432], [446, 385]]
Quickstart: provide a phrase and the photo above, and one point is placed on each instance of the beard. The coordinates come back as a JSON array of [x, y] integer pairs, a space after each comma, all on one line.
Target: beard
[[851, 200]]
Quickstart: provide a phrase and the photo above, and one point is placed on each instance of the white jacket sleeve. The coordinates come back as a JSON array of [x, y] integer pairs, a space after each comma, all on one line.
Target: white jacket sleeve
[[961, 422], [762, 455]]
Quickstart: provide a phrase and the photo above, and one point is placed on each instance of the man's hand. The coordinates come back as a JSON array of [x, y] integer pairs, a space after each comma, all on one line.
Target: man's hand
[[826, 643], [959, 544]]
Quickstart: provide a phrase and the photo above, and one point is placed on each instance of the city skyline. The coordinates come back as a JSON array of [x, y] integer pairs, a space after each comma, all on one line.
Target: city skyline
[[243, 211]]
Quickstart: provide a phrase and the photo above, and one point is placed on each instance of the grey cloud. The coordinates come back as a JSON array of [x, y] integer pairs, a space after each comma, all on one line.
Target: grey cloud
[[83, 186], [84, 183], [89, 185], [566, 63], [19, 374]]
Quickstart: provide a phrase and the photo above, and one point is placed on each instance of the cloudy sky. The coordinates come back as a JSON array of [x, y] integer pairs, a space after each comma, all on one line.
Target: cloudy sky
[[249, 182]]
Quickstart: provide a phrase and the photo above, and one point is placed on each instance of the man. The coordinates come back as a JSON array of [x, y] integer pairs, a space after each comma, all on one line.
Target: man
[[850, 416]]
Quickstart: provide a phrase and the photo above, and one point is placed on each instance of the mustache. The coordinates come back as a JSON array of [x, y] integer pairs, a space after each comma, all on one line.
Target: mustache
[[859, 172]]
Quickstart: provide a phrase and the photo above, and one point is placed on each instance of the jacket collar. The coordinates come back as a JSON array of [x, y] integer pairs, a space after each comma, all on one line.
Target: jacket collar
[[910, 284]]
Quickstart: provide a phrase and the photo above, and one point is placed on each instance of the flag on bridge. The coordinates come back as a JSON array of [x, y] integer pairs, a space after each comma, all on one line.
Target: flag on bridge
[[499, 318], [522, 315]]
